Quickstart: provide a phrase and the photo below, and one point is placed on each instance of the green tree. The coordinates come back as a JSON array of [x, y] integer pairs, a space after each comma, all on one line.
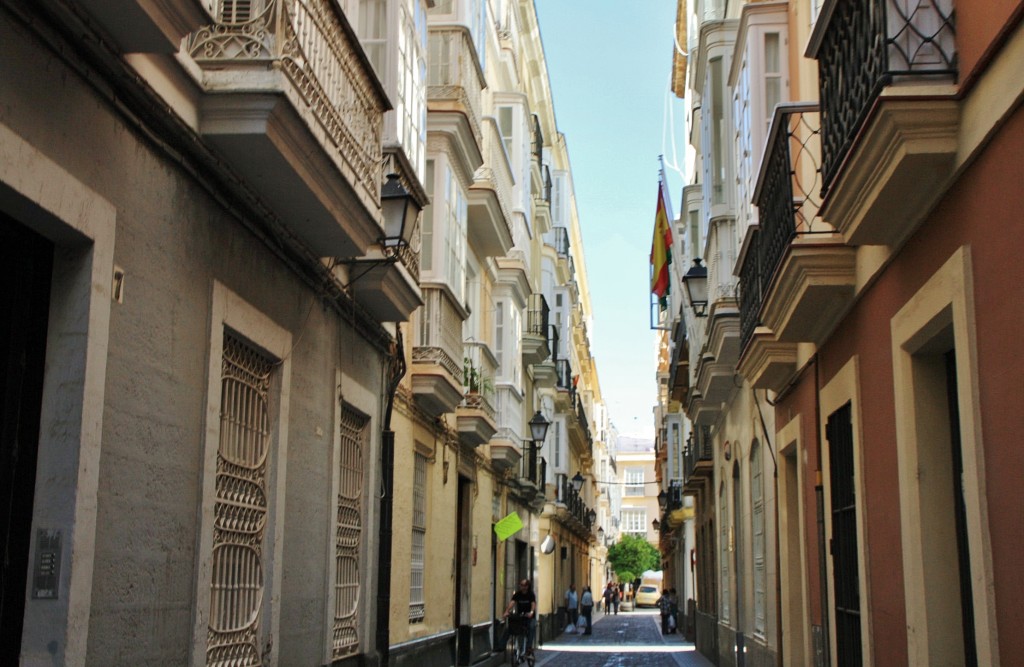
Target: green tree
[[631, 556]]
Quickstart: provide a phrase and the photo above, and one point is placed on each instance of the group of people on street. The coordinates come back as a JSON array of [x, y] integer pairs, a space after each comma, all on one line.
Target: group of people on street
[[668, 605], [612, 598], [523, 606], [522, 610], [580, 606]]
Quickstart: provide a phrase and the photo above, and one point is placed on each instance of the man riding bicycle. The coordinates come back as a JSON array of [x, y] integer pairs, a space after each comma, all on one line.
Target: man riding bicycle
[[521, 610]]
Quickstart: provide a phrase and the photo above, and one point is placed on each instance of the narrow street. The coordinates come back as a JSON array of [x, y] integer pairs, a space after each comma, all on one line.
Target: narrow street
[[630, 639]]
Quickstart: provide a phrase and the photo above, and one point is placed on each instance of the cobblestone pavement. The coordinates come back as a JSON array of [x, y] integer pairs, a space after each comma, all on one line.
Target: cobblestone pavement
[[628, 639]]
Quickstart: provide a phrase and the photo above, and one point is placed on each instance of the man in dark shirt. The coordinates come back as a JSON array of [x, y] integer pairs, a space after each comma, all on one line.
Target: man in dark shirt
[[524, 601]]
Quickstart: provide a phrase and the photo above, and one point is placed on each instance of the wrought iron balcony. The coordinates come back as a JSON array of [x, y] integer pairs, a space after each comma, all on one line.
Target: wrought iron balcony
[[528, 470], [547, 183], [454, 77], [862, 46], [564, 369], [535, 334], [698, 457], [292, 103], [751, 289], [788, 204], [797, 274], [545, 373], [562, 241], [538, 139]]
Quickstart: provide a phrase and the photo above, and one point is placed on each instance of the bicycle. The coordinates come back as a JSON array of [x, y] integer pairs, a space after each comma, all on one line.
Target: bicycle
[[516, 649]]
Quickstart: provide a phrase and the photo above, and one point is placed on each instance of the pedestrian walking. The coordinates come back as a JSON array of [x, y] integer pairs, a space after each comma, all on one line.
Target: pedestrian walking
[[572, 606], [586, 607], [607, 595], [665, 607], [616, 598], [673, 610]]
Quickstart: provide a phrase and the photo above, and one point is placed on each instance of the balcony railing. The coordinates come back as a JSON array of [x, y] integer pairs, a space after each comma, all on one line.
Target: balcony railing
[[699, 449], [788, 201], [439, 339], [572, 500], [537, 315], [581, 416], [562, 241], [866, 45], [454, 74], [564, 370], [538, 139], [478, 369], [528, 464], [553, 341], [311, 43], [547, 183], [751, 290]]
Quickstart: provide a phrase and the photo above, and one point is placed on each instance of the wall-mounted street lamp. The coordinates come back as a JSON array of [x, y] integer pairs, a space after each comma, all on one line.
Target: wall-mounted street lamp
[[656, 525], [538, 428], [591, 516], [663, 500], [696, 283], [400, 212], [577, 482]]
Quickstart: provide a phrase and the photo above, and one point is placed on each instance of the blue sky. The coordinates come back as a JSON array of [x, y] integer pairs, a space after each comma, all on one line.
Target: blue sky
[[609, 64]]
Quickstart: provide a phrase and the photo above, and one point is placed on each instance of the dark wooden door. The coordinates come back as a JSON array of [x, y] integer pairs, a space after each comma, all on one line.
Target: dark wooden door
[[26, 263]]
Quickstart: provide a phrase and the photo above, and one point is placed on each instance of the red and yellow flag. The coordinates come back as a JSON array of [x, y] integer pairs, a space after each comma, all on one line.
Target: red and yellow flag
[[661, 252]]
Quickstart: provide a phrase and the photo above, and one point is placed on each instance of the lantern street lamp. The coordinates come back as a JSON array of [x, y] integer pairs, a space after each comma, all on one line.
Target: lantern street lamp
[[577, 482], [400, 212], [656, 525], [696, 283], [663, 500], [538, 428]]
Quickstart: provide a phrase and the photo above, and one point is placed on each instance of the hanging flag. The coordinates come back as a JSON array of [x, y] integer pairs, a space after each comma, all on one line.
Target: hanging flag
[[661, 252]]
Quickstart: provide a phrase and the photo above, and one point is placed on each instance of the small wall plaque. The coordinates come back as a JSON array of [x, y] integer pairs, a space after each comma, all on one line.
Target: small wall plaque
[[46, 575]]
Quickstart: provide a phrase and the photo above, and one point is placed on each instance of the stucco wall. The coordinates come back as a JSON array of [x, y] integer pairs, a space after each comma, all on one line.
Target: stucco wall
[[174, 241]]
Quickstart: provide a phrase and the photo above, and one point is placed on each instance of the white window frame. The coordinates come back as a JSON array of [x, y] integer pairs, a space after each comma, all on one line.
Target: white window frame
[[418, 541], [633, 521], [633, 482]]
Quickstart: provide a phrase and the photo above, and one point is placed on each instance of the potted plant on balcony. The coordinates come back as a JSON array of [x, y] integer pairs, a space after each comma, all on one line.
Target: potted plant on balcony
[[473, 380]]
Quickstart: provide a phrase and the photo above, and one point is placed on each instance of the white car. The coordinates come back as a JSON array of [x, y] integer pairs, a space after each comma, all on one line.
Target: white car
[[647, 596]]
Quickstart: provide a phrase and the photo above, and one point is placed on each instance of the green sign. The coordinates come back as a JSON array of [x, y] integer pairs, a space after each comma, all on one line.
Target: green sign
[[508, 526]]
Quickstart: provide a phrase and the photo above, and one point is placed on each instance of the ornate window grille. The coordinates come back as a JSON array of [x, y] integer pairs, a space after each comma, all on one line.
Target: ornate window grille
[[348, 532], [240, 508]]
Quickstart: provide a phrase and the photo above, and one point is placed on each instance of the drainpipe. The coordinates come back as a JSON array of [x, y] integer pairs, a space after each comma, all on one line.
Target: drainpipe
[[395, 370]]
